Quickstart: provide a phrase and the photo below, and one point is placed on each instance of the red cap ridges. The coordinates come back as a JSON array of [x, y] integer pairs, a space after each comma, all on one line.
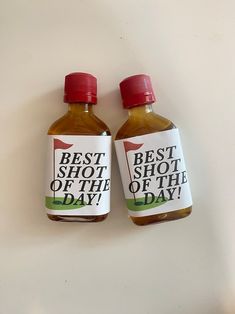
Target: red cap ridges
[[137, 90], [80, 87]]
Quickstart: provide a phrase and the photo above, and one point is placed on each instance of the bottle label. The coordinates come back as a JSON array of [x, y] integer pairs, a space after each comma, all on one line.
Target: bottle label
[[153, 173], [78, 175]]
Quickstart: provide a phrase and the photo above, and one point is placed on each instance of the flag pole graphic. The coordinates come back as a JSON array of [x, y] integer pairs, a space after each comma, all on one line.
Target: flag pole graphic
[[57, 144], [127, 147], [129, 170], [54, 174]]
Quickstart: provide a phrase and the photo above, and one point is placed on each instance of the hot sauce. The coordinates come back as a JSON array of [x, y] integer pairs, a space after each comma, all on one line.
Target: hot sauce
[[150, 158], [79, 158]]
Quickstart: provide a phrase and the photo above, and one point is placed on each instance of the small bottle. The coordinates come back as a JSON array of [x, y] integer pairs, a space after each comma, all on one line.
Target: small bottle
[[79, 158], [150, 158]]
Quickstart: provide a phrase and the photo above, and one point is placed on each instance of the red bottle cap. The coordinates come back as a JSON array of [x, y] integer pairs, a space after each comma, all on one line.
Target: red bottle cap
[[80, 87], [137, 90]]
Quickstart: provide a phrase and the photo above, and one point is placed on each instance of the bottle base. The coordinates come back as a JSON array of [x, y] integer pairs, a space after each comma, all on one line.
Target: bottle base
[[77, 218], [159, 218]]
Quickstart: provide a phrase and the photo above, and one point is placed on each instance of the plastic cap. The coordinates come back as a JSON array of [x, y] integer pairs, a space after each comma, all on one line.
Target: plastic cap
[[80, 87], [137, 90]]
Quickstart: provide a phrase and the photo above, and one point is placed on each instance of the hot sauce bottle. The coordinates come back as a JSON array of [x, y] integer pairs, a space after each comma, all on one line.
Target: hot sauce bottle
[[79, 157], [150, 158]]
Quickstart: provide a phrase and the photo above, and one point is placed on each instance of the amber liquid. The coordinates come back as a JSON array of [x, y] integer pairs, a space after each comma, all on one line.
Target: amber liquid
[[79, 120], [142, 120]]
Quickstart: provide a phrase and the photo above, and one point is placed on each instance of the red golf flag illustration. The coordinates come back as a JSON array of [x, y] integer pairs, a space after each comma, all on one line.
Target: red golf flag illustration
[[127, 147], [58, 144], [131, 146]]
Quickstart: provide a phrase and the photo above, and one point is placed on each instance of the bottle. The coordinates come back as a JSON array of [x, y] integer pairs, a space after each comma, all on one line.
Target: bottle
[[79, 158], [150, 158]]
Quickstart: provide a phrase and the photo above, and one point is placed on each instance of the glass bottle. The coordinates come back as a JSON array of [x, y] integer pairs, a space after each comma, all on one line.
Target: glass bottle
[[79, 159], [150, 158]]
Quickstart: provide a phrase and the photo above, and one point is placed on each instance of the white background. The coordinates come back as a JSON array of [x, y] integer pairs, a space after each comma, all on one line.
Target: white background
[[182, 267]]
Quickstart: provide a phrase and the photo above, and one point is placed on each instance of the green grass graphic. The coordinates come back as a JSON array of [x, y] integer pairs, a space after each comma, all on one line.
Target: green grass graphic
[[139, 204], [57, 204]]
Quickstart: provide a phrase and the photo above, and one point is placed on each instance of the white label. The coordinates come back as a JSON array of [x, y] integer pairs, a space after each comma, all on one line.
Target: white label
[[153, 173], [78, 176]]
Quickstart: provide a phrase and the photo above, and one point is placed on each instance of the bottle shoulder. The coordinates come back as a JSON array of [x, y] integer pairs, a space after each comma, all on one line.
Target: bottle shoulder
[[148, 123], [85, 124]]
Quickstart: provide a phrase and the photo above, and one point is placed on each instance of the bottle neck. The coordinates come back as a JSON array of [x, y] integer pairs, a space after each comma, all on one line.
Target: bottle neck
[[80, 108], [139, 111]]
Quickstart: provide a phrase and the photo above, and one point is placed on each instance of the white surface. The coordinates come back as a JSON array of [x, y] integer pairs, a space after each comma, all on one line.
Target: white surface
[[116, 267]]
